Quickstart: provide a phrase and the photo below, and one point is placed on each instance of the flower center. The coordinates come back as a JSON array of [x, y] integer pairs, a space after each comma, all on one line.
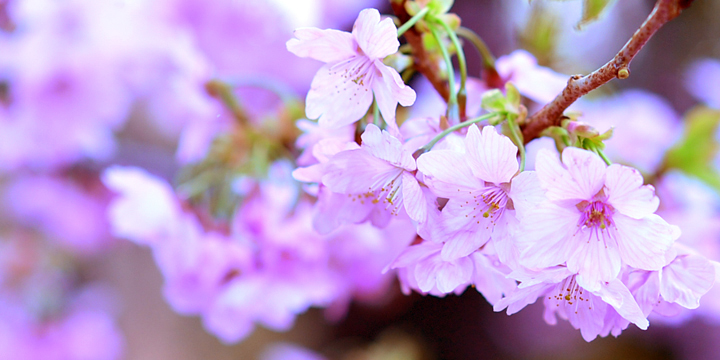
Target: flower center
[[569, 293], [495, 198], [596, 214]]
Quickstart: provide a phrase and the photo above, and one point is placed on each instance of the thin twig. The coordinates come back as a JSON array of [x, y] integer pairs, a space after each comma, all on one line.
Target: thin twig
[[577, 86], [422, 60]]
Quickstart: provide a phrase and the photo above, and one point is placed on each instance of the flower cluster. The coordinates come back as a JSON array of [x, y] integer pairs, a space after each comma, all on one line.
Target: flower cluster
[[272, 217]]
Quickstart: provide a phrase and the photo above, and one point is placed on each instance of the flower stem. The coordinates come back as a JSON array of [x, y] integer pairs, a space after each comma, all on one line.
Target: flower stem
[[487, 57], [517, 138], [461, 62], [592, 147], [452, 99], [447, 131], [224, 92], [413, 20]]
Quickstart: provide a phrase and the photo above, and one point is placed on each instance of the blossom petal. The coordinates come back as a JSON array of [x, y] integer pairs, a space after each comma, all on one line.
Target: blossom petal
[[546, 238], [376, 38], [627, 194], [338, 96], [643, 242], [450, 275], [415, 253], [491, 156], [525, 192], [413, 198], [324, 45], [384, 146], [556, 179], [586, 168], [447, 174], [389, 90], [489, 279], [463, 229], [521, 297], [595, 259], [358, 172], [617, 295], [686, 279]]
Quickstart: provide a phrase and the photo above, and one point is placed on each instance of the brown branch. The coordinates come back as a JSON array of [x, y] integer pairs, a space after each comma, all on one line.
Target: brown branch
[[577, 86], [422, 60]]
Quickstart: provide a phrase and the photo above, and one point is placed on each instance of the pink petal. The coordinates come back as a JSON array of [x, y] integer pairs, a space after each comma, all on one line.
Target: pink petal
[[686, 279], [617, 295], [413, 198], [555, 178], [489, 280], [389, 89], [627, 194], [586, 168], [447, 174], [595, 259], [358, 172], [336, 98], [547, 236], [450, 275], [521, 297], [415, 253], [376, 38], [643, 242], [324, 45], [525, 192], [386, 147], [463, 229], [491, 156]]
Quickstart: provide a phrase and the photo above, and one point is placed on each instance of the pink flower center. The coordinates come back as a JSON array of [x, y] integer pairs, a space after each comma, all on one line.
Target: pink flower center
[[496, 199], [596, 214]]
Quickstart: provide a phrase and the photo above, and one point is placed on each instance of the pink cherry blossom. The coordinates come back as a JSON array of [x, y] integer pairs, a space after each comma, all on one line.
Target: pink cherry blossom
[[381, 173], [477, 182], [596, 219], [429, 273], [343, 88], [703, 81], [565, 297]]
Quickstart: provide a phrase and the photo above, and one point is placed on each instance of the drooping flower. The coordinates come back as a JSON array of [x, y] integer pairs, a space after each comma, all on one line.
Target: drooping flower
[[596, 219], [343, 89], [427, 272], [564, 296]]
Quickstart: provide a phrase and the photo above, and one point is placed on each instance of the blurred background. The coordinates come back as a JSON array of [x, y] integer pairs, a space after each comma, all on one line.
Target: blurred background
[[85, 84]]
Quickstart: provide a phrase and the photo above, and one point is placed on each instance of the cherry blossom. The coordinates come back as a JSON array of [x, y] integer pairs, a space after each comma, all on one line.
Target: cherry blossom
[[381, 172], [565, 297], [343, 88], [477, 184], [596, 219]]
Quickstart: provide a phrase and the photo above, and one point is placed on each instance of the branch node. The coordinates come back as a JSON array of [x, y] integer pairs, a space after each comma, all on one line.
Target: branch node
[[623, 73]]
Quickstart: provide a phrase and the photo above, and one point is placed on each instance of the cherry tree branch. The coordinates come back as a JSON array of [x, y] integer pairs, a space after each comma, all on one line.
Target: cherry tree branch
[[577, 86], [422, 60]]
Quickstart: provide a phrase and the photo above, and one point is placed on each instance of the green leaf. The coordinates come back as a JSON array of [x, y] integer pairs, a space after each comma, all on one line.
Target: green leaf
[[493, 101], [592, 10], [696, 150]]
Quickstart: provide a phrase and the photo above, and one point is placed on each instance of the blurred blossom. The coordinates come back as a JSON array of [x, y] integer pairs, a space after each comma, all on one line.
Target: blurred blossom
[[695, 208], [283, 351], [60, 209], [703, 81], [267, 268], [641, 120], [45, 313]]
